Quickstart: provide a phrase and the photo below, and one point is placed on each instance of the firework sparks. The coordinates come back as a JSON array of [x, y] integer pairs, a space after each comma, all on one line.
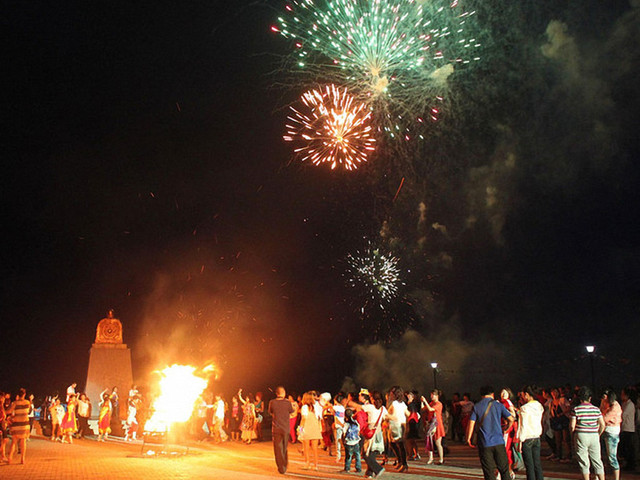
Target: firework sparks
[[395, 55], [331, 128], [376, 273]]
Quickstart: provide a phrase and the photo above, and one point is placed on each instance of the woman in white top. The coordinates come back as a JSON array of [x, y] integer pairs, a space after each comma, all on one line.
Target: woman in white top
[[310, 428], [376, 414], [529, 432], [397, 416]]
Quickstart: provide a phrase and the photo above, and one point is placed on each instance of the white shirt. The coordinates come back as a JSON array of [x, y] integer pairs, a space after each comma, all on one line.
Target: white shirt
[[59, 413], [628, 416], [220, 409], [399, 414], [373, 414], [71, 390], [530, 423], [131, 418], [317, 409], [83, 408]]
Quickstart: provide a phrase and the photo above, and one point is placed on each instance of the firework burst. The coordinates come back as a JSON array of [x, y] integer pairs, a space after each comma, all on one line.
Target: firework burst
[[331, 128], [395, 55], [377, 274], [375, 282]]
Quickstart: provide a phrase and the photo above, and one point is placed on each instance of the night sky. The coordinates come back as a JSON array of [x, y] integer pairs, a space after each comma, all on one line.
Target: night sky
[[144, 170]]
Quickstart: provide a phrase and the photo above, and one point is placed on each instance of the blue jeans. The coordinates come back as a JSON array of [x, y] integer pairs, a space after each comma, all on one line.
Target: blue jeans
[[611, 442], [531, 457], [351, 452]]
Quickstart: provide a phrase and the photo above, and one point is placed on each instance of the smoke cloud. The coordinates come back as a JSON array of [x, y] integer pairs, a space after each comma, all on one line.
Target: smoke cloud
[[462, 365]]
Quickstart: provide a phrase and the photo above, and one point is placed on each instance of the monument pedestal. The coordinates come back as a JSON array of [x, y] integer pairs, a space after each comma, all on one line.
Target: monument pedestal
[[109, 366]]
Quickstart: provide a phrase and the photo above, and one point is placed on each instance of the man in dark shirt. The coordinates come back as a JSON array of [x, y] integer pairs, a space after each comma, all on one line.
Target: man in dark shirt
[[280, 409], [486, 418]]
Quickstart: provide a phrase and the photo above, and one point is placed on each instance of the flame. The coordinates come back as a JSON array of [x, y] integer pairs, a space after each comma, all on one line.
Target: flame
[[180, 388]]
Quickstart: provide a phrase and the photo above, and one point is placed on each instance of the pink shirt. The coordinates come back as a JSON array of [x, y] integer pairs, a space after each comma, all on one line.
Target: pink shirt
[[612, 415]]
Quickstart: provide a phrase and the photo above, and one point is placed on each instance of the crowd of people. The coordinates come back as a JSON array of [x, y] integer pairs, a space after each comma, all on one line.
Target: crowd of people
[[370, 431], [507, 429]]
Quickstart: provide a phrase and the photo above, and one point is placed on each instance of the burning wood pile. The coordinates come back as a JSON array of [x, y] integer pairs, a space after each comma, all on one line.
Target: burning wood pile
[[180, 388]]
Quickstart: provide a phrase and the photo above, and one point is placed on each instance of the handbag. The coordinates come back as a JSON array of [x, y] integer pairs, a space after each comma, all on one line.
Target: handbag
[[428, 446], [366, 432]]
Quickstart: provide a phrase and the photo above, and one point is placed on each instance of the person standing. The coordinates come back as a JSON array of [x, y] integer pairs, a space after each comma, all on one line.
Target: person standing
[[310, 428], [434, 409], [71, 390], [529, 433], [376, 414], [280, 410], [234, 420], [69, 423], [612, 415], [351, 442], [559, 410], [259, 408], [328, 418], [338, 423], [116, 421], [248, 418], [219, 435], [509, 434], [413, 425], [488, 414], [628, 439], [104, 418], [587, 424], [132, 420], [56, 410], [466, 407], [4, 430], [84, 411], [32, 414], [19, 414], [397, 416]]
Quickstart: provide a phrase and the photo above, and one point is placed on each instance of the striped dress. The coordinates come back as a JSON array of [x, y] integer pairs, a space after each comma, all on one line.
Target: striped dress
[[20, 418]]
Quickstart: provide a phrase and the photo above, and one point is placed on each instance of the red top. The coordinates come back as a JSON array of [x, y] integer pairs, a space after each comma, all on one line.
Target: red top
[[437, 406], [508, 404]]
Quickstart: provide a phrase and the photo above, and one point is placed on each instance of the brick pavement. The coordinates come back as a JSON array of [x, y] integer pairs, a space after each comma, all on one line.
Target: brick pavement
[[116, 460]]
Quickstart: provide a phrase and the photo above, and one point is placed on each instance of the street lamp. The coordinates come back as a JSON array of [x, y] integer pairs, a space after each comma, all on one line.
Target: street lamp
[[434, 365], [590, 350]]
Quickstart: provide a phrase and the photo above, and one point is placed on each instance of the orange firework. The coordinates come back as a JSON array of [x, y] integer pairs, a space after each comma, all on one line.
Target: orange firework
[[332, 128]]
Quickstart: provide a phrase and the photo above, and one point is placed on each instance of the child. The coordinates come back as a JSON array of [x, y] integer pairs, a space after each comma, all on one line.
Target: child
[[338, 411], [351, 441], [57, 412]]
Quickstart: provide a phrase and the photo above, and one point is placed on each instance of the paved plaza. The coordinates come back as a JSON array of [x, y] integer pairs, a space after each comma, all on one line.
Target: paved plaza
[[116, 460]]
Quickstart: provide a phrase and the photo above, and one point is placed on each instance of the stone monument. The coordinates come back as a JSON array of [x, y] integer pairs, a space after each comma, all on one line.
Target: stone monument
[[109, 366]]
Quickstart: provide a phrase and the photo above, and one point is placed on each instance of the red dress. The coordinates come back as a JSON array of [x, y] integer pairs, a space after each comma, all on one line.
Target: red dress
[[437, 406], [69, 424], [509, 434]]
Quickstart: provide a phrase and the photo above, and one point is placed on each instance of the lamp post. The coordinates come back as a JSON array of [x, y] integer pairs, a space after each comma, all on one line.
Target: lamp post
[[434, 365], [590, 350]]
